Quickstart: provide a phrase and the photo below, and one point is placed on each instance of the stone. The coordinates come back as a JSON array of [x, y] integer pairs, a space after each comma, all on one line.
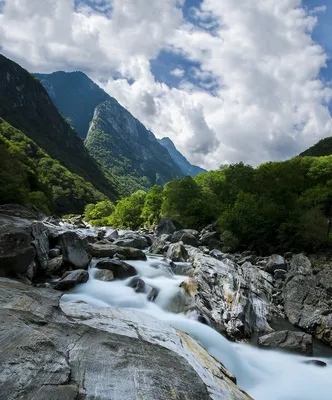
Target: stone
[[73, 250], [112, 236], [297, 342], [72, 279], [275, 262], [102, 250], [153, 294], [190, 287], [104, 275], [160, 245], [211, 240], [165, 226], [300, 264], [177, 252], [120, 269], [317, 363], [279, 274], [179, 302], [54, 253], [135, 241], [16, 253], [137, 284], [54, 266], [216, 254], [40, 234], [181, 268], [236, 299]]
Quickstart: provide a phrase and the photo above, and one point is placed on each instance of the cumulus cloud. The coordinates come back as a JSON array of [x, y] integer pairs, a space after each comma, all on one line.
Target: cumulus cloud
[[256, 95], [178, 72]]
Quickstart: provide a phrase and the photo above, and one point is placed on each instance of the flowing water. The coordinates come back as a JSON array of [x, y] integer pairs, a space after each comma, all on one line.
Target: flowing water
[[264, 374]]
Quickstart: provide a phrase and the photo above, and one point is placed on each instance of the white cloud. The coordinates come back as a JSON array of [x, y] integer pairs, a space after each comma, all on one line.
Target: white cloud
[[255, 97], [318, 9], [178, 72]]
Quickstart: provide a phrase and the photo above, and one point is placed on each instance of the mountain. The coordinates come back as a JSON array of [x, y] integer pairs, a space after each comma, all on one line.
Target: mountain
[[26, 106], [114, 137], [322, 148], [122, 143], [179, 159], [75, 95]]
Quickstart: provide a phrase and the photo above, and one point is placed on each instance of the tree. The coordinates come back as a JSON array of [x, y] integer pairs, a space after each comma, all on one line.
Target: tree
[[152, 205]]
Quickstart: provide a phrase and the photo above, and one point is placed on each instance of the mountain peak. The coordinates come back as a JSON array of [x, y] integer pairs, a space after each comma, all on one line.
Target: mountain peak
[[180, 159]]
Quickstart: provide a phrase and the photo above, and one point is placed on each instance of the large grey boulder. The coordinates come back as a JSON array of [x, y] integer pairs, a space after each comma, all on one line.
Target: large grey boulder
[[16, 252], [236, 299], [120, 269], [211, 240], [177, 252], [135, 241], [99, 353], [275, 262], [72, 279], [40, 240], [102, 249], [54, 266], [298, 342], [73, 250], [307, 298], [165, 227], [160, 245]]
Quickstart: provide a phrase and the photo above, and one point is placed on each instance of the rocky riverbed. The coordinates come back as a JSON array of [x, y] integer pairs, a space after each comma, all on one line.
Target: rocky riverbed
[[83, 348]]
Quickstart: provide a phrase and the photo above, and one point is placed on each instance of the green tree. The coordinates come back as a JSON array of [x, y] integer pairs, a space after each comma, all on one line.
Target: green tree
[[152, 205]]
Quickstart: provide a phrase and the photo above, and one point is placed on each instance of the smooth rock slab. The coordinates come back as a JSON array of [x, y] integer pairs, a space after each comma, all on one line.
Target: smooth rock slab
[[101, 250], [120, 269], [73, 250], [298, 342], [72, 279], [98, 353]]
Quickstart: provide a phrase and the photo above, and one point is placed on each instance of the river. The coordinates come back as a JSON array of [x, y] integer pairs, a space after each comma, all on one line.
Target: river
[[264, 374]]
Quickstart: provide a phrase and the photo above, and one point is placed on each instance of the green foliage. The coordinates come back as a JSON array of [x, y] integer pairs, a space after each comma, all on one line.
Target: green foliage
[[29, 175], [152, 205], [98, 214], [128, 212]]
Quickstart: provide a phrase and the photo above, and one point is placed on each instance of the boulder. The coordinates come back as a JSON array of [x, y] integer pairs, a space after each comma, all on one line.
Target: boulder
[[297, 342], [16, 253], [153, 294], [236, 299], [275, 262], [160, 245], [54, 253], [279, 274], [135, 241], [106, 249], [307, 298], [72, 279], [120, 269], [165, 227], [190, 287], [216, 254], [104, 275], [211, 240], [40, 234], [137, 284], [73, 250], [181, 268], [179, 302], [112, 236], [54, 266], [177, 252]]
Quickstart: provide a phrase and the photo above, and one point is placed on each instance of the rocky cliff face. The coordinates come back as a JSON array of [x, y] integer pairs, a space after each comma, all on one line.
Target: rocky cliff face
[[179, 159], [75, 95], [120, 142], [25, 104]]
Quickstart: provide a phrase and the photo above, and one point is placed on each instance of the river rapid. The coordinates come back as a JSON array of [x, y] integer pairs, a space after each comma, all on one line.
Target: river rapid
[[264, 374]]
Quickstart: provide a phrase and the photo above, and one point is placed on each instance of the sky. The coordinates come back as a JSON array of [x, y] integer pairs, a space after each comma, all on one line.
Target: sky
[[226, 80]]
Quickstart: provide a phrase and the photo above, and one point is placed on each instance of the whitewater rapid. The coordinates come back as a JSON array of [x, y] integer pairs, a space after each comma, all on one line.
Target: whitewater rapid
[[264, 374]]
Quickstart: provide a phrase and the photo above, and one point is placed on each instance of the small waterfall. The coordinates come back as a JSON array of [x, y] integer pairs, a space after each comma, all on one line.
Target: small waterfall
[[264, 374]]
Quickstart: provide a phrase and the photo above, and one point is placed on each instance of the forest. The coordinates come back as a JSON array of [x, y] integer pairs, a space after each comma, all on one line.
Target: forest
[[276, 206]]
